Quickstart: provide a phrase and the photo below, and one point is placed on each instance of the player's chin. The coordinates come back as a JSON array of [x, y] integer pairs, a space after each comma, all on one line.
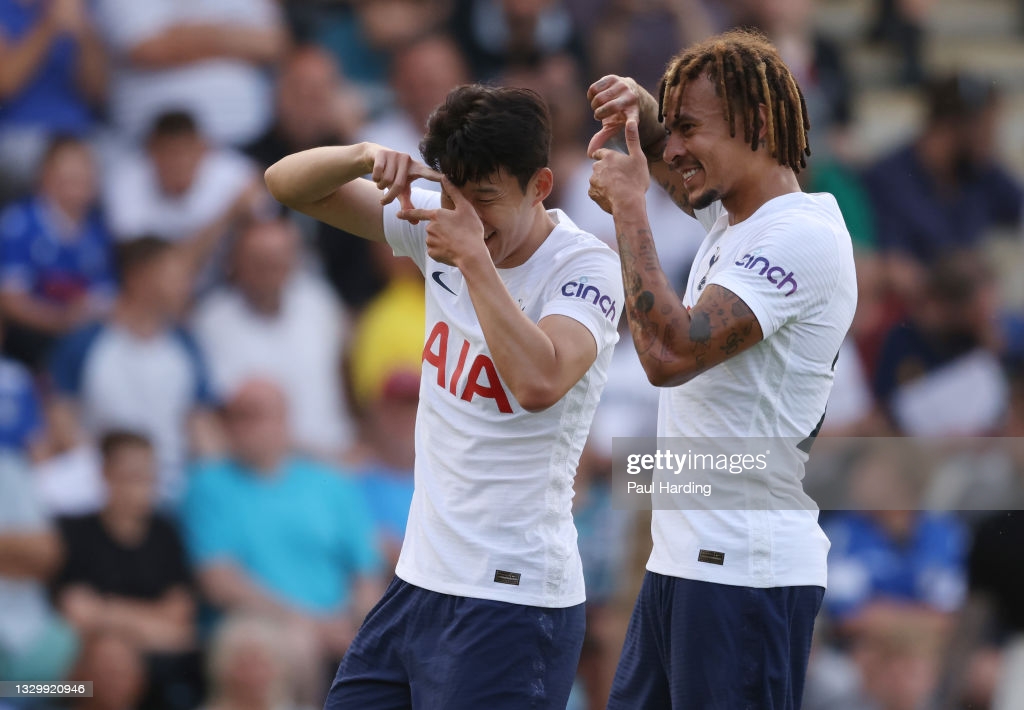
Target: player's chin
[[704, 199]]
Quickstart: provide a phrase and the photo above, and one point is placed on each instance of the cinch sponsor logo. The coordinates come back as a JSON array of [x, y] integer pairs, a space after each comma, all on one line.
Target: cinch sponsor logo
[[580, 289], [775, 274]]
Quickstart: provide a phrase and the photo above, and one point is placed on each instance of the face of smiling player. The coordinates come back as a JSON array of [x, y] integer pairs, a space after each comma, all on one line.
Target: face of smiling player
[[714, 164], [515, 222]]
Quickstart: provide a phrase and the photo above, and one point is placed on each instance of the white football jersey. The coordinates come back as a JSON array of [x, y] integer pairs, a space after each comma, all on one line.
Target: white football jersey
[[791, 263], [491, 515]]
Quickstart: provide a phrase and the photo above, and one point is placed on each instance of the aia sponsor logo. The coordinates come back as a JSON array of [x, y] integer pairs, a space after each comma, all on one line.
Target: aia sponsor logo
[[581, 289], [482, 380], [783, 280]]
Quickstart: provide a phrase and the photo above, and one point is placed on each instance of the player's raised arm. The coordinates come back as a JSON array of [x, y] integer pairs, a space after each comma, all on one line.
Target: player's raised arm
[[674, 344], [326, 183], [616, 99]]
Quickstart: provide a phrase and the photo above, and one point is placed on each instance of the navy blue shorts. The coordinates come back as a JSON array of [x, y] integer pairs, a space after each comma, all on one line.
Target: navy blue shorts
[[694, 644], [424, 650]]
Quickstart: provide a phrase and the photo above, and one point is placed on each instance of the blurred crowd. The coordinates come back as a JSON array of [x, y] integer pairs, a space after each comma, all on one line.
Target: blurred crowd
[[207, 403]]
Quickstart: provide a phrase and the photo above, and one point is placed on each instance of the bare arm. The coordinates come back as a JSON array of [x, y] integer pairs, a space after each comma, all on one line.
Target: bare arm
[[325, 183], [92, 72], [34, 555], [674, 344], [186, 43], [166, 624], [228, 587], [38, 314], [20, 60], [539, 362]]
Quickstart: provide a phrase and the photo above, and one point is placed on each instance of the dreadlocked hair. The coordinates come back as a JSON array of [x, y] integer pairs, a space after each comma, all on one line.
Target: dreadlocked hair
[[746, 70]]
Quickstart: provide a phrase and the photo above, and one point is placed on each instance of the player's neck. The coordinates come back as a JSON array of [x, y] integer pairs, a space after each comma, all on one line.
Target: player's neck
[[541, 227], [759, 187]]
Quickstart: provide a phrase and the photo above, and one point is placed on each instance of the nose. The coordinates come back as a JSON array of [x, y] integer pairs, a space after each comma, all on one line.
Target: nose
[[675, 150]]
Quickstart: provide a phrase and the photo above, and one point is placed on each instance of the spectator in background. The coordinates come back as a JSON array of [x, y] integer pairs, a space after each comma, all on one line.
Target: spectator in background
[[897, 577], [365, 34], [55, 255], [246, 667], [636, 37], [116, 670], [385, 359], [316, 106], [52, 69], [35, 643], [278, 535], [890, 558], [183, 190], [499, 35], [946, 190], [901, 23], [137, 369], [818, 64], [22, 429], [938, 372], [125, 572], [422, 74], [282, 323], [207, 57]]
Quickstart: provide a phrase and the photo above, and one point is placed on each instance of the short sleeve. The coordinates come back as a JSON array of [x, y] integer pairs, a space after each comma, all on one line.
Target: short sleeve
[[788, 272], [207, 529], [67, 362], [588, 289], [203, 389], [16, 271], [408, 239]]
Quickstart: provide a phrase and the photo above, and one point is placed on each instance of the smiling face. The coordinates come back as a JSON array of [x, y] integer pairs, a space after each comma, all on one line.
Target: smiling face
[[509, 214], [714, 164]]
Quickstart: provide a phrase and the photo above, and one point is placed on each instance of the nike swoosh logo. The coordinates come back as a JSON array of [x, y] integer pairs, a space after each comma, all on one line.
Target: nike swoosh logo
[[437, 279]]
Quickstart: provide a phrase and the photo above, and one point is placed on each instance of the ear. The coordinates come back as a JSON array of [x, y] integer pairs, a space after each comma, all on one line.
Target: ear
[[541, 185], [762, 114]]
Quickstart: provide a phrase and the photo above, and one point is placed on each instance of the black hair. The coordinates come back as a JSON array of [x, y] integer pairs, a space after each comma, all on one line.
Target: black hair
[[173, 123], [140, 252], [115, 439], [479, 130], [60, 141]]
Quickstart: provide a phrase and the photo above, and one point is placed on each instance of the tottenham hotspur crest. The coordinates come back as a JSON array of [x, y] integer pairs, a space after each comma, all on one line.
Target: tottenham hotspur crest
[[714, 259]]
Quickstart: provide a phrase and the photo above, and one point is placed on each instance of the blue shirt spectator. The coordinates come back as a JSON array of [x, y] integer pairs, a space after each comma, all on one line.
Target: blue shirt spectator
[[917, 217], [388, 493], [52, 66], [50, 97], [303, 532], [867, 563], [60, 264]]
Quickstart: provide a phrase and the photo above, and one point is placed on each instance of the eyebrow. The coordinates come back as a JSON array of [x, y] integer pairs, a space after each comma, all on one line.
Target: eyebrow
[[486, 189], [683, 118]]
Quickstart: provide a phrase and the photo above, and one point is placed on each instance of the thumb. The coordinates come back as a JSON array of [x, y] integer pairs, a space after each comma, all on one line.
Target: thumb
[[633, 138]]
